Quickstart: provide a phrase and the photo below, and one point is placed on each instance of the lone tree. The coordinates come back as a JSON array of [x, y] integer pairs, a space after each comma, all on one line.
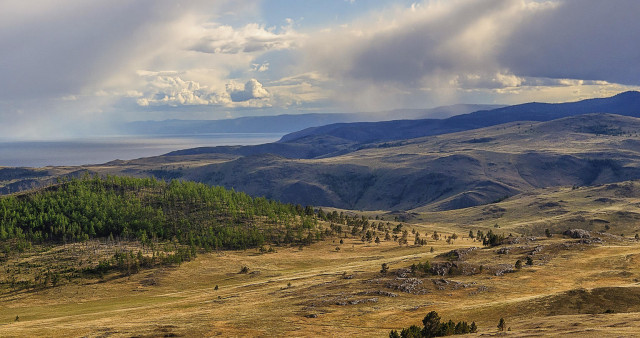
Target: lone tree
[[518, 264], [529, 260], [501, 325], [547, 233], [431, 324], [385, 268]]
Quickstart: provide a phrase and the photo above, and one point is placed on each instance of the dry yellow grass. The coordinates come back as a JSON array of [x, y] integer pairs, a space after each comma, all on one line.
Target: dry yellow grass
[[261, 303]]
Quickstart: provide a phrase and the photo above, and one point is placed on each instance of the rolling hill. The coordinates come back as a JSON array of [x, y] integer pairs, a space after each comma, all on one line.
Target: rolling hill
[[442, 172], [447, 171]]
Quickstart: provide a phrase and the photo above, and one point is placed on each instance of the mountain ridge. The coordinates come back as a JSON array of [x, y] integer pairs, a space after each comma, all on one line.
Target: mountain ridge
[[626, 103]]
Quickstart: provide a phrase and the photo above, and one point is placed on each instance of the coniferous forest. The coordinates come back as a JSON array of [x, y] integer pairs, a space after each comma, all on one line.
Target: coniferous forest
[[148, 209]]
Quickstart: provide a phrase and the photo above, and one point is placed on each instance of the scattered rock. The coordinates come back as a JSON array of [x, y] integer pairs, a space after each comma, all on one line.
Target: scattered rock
[[379, 293], [403, 273], [593, 240], [518, 240], [503, 251], [501, 269], [537, 249], [457, 254], [577, 233], [442, 283], [408, 285]]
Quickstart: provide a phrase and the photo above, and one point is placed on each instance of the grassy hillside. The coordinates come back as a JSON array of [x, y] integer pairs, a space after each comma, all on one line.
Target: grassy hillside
[[335, 287]]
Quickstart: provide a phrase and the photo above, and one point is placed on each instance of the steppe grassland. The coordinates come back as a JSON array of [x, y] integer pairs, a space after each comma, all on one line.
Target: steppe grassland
[[283, 289]]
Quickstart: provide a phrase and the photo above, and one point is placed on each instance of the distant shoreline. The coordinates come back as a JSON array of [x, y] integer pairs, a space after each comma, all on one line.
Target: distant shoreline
[[81, 151]]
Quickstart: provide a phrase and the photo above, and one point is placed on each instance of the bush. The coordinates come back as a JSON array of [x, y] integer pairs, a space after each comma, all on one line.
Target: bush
[[432, 327]]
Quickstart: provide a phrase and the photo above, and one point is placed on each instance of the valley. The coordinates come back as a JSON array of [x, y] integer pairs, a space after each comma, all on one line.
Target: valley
[[535, 222]]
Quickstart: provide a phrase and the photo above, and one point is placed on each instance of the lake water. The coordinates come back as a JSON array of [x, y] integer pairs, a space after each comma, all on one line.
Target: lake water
[[105, 149]]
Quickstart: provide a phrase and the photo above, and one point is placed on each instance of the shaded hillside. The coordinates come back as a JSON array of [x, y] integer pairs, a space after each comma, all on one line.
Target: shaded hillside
[[437, 173], [627, 103], [308, 147]]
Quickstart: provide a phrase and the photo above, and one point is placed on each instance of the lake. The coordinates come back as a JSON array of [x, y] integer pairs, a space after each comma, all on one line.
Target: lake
[[105, 149]]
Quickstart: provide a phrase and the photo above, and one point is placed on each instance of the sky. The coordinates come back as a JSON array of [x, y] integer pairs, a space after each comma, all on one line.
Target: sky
[[74, 67]]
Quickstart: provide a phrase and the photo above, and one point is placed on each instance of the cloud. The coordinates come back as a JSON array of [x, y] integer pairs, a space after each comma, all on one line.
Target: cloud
[[442, 49], [65, 60], [577, 39], [252, 90], [58, 48], [252, 38], [168, 89], [260, 67]]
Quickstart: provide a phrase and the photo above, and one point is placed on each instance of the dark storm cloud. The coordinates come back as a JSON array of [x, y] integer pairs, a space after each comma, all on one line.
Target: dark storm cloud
[[580, 39]]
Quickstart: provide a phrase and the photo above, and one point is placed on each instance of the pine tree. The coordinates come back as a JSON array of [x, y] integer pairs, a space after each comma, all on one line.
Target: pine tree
[[501, 325], [431, 324]]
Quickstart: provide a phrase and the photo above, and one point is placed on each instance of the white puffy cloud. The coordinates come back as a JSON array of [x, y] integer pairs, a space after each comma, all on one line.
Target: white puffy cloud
[[252, 38], [252, 90], [169, 89]]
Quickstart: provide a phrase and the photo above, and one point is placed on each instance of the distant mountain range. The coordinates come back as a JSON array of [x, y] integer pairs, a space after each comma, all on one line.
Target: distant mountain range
[[340, 138], [287, 123], [627, 103]]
